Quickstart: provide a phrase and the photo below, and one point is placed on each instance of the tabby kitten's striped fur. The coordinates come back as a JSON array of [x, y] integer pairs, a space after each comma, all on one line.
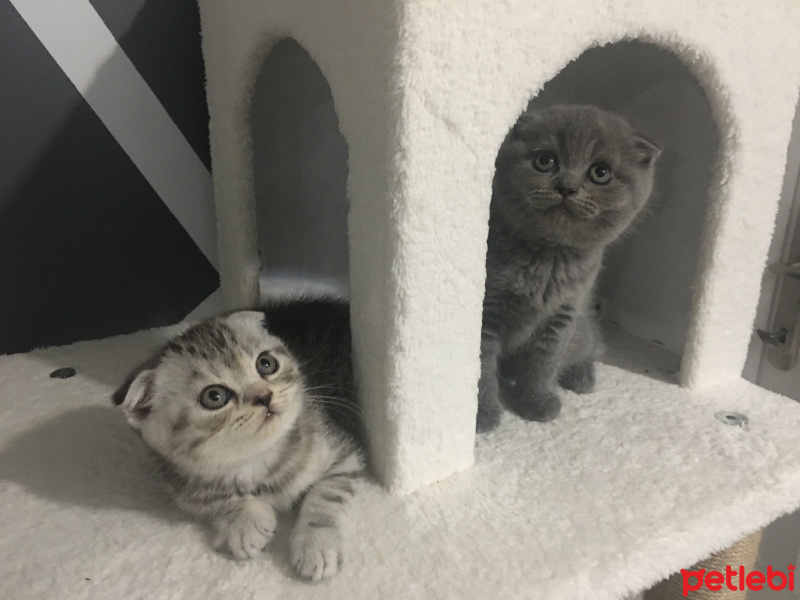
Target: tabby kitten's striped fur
[[252, 413]]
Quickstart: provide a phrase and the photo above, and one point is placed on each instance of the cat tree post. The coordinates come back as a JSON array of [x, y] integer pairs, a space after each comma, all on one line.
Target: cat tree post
[[409, 299]]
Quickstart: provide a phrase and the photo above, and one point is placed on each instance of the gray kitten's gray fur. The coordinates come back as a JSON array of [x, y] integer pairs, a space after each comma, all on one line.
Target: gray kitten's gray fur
[[252, 413], [568, 181]]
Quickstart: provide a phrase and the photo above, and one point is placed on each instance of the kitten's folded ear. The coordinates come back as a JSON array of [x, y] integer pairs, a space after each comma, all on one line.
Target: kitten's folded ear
[[525, 122], [647, 148], [135, 396]]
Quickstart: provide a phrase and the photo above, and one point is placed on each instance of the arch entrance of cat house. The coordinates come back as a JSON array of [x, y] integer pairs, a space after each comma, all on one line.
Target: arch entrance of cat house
[[644, 292], [299, 173]]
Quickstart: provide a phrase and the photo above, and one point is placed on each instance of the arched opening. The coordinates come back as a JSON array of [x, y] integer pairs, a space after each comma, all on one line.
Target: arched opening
[[644, 291], [299, 175]]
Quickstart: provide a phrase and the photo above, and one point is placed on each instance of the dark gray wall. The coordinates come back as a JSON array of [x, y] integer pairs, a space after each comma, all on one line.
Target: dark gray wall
[[87, 248]]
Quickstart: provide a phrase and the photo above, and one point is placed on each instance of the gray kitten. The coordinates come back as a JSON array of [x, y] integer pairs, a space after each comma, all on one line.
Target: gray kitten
[[568, 181], [252, 413]]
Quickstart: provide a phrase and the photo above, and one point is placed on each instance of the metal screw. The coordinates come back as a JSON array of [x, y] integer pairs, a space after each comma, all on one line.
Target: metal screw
[[732, 418]]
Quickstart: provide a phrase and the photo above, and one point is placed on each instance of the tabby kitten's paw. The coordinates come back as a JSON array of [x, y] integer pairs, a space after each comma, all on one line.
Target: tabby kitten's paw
[[246, 535], [316, 551], [578, 377], [539, 406]]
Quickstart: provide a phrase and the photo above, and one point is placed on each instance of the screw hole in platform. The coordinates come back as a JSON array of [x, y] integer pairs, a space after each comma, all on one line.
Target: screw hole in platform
[[731, 418], [63, 373]]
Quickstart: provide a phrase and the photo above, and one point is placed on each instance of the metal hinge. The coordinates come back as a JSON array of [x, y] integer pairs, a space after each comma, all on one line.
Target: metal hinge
[[783, 342], [792, 270]]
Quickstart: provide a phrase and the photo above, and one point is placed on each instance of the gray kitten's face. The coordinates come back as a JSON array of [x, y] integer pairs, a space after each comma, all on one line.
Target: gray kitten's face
[[220, 393], [573, 176]]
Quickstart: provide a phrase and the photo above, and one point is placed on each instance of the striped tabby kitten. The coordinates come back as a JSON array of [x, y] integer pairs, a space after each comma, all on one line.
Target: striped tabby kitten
[[252, 413], [568, 181]]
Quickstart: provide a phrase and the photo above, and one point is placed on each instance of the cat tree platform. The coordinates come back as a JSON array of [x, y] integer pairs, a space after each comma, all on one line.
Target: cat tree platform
[[629, 484]]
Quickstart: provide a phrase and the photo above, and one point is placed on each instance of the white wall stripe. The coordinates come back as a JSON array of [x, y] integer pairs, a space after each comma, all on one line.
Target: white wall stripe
[[79, 41]]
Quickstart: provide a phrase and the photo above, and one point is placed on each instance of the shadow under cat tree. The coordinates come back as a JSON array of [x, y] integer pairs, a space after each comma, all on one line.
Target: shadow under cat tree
[[90, 457]]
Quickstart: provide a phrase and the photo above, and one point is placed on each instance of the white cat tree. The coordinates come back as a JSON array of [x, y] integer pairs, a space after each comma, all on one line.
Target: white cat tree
[[425, 90]]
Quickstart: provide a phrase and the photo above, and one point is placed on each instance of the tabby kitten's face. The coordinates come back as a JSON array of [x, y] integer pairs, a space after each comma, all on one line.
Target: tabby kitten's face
[[573, 176], [222, 392]]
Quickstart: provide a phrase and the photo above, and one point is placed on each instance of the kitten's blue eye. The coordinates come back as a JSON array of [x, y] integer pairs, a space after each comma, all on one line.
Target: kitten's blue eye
[[266, 364], [545, 162], [600, 173], [214, 397]]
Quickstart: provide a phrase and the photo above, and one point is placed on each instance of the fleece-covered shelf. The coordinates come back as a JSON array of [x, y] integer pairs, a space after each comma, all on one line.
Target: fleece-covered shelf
[[629, 484]]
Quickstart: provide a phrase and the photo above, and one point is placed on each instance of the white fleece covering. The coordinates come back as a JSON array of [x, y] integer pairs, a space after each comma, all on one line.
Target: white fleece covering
[[627, 485], [425, 91]]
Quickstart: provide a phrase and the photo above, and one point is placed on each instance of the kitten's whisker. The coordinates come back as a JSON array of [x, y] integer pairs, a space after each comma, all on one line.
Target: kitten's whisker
[[335, 402], [333, 399], [334, 388], [342, 408]]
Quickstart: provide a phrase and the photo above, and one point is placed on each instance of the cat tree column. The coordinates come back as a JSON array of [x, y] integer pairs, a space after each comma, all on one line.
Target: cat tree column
[[425, 91], [416, 306]]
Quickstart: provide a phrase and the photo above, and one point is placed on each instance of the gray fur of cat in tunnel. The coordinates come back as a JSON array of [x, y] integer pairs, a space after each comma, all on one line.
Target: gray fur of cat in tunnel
[[645, 287], [569, 180]]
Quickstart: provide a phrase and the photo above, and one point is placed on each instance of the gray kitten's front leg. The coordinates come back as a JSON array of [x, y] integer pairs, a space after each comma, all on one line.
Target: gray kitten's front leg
[[535, 368], [489, 408], [577, 367], [316, 541]]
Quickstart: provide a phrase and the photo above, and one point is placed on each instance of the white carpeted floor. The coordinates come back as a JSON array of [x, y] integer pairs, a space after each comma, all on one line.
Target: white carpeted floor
[[629, 484]]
